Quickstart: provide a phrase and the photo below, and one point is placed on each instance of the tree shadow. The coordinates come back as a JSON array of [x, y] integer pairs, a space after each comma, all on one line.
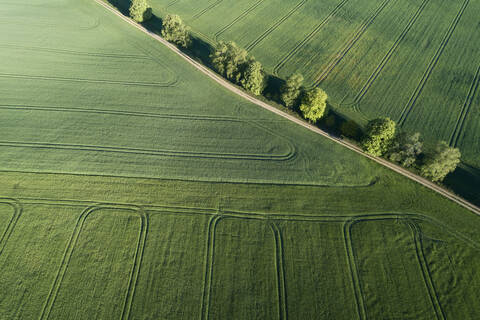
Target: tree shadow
[[465, 181]]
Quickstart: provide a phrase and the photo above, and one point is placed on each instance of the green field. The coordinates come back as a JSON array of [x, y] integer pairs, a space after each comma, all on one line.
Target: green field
[[416, 61], [134, 187]]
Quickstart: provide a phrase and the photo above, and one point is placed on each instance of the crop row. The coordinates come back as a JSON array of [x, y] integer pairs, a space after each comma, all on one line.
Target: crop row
[[238, 18], [216, 217], [459, 125], [349, 44], [418, 90], [308, 37], [389, 54]]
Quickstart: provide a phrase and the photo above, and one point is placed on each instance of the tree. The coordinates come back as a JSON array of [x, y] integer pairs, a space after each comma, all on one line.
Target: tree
[[254, 78], [175, 31], [313, 104], [230, 60], [441, 162], [379, 135], [406, 149], [291, 90], [350, 129], [140, 11]]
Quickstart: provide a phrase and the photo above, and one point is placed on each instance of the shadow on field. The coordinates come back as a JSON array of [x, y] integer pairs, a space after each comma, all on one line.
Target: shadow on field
[[465, 181]]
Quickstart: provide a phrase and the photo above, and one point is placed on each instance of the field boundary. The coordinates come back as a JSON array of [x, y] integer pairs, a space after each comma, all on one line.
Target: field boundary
[[17, 212], [226, 213], [319, 78], [459, 125], [389, 54], [431, 66]]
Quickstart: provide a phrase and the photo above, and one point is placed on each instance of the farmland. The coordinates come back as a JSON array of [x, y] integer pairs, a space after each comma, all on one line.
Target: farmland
[[374, 58], [134, 187]]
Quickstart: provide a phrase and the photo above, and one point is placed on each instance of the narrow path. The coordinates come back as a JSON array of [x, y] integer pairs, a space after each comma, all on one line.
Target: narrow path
[[300, 122]]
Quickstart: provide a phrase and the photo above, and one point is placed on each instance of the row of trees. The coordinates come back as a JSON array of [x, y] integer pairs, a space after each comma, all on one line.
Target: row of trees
[[235, 64], [382, 139], [173, 28]]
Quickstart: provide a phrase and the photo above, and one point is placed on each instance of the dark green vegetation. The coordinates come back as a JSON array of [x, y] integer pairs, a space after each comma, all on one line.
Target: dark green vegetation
[[140, 11], [416, 61], [175, 31], [134, 187]]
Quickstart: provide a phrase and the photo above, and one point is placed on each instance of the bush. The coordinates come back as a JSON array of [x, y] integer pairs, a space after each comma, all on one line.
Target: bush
[[441, 162], [291, 90], [379, 136], [313, 104], [175, 31], [140, 10]]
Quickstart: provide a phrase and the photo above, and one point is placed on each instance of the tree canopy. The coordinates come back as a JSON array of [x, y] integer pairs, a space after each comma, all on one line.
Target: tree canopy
[[379, 135], [313, 104], [406, 149], [441, 162], [254, 78], [230, 60], [140, 11], [175, 31], [291, 90]]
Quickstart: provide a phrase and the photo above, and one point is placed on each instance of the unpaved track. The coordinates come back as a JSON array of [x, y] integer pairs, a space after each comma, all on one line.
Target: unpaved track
[[302, 123]]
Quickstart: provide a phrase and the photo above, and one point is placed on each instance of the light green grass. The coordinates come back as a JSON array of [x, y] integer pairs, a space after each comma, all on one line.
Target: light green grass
[[124, 181], [123, 105]]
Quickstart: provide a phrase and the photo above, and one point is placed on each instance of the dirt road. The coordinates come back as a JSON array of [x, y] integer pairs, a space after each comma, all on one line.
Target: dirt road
[[264, 105]]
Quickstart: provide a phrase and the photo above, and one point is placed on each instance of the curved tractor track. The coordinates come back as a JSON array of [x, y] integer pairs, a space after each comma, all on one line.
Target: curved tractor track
[[227, 85]]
